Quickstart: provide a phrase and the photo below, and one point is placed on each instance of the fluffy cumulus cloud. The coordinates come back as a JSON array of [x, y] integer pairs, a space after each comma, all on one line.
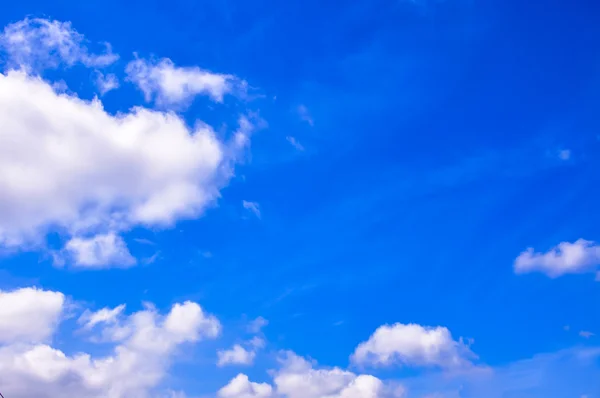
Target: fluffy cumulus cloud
[[35, 43], [566, 258], [99, 251], [168, 84], [241, 387], [413, 345], [29, 315], [237, 355], [144, 345], [297, 378], [68, 165]]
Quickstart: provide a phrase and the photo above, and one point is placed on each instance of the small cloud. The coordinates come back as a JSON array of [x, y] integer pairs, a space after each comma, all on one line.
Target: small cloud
[[143, 241], [585, 334], [305, 115], [206, 254], [256, 325], [254, 207], [106, 83], [564, 154], [566, 258], [566, 328], [294, 143], [338, 323], [237, 355], [100, 251], [151, 259]]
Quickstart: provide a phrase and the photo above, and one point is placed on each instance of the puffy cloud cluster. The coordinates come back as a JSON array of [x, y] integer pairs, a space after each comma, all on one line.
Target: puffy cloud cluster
[[578, 257], [144, 344], [413, 345], [68, 165], [297, 378]]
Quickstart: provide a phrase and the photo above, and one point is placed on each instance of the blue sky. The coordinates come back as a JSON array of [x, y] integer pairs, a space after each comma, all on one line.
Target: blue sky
[[367, 164]]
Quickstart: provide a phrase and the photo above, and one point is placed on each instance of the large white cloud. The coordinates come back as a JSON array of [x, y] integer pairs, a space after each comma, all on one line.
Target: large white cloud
[[297, 378], [412, 345], [35, 43], [144, 345], [29, 315], [566, 258], [67, 163]]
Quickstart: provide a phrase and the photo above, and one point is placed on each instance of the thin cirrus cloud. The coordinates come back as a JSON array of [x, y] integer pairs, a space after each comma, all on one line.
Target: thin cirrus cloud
[[143, 345], [93, 174], [413, 345], [581, 256]]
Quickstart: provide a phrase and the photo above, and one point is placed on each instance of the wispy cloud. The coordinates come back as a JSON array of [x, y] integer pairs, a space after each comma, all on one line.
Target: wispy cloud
[[305, 115], [294, 143], [253, 207]]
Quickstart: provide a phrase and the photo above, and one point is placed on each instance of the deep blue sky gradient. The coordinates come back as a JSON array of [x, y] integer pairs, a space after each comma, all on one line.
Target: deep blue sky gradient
[[432, 163]]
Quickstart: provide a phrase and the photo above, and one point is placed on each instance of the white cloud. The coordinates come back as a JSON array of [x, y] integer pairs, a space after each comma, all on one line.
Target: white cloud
[[66, 163], [254, 207], [566, 258], [100, 251], [168, 84], [106, 315], [257, 324], [298, 379], [106, 83], [29, 315], [144, 347], [241, 387], [294, 143], [412, 345], [237, 355], [41, 43], [585, 334]]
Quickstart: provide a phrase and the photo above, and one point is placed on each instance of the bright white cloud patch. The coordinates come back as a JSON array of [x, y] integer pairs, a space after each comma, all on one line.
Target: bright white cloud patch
[[29, 315], [41, 43], [566, 258], [298, 379], [168, 84], [144, 346], [237, 355], [412, 345], [241, 387], [100, 251], [67, 163]]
